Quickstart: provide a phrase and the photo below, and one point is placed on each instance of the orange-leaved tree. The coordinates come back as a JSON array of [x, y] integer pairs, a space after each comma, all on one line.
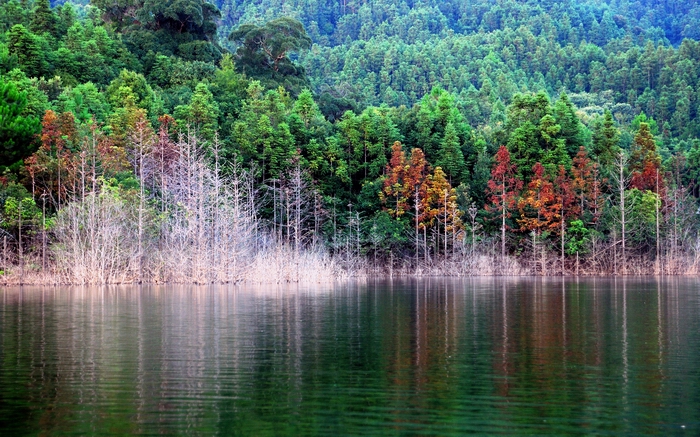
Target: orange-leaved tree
[[536, 202], [417, 174], [438, 209], [405, 183], [397, 189]]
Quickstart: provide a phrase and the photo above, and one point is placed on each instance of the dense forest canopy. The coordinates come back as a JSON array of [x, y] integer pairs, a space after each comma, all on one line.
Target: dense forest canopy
[[406, 130]]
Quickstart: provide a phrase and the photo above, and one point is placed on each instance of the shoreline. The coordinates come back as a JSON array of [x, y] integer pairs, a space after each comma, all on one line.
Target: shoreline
[[34, 281]]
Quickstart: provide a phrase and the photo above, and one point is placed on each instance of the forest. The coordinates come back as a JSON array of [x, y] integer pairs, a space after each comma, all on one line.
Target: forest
[[251, 140]]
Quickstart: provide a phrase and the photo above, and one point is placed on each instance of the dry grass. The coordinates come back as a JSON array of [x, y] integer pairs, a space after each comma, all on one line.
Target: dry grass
[[282, 265]]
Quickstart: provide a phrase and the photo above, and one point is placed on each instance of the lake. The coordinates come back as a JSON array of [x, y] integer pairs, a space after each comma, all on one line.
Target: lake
[[408, 357]]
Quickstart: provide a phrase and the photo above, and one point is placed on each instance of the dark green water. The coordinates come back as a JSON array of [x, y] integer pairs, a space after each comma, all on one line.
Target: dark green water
[[432, 357]]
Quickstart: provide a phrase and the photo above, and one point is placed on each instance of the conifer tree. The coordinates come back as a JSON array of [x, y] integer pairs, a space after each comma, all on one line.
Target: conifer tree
[[644, 161], [24, 45], [44, 19], [17, 130], [572, 131], [503, 189], [201, 114], [396, 190], [537, 203], [606, 138], [451, 159]]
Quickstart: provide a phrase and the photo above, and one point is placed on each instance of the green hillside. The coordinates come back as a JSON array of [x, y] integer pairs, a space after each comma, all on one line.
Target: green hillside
[[414, 133]]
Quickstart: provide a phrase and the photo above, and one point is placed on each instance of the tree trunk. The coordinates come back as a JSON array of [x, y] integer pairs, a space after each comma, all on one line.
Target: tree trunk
[[657, 265], [503, 222], [19, 244], [415, 206], [562, 239]]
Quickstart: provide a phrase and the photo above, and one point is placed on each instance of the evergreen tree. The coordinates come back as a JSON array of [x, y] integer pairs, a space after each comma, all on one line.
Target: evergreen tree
[[17, 130], [201, 114], [44, 20], [451, 159], [572, 130], [606, 138], [645, 162], [25, 46]]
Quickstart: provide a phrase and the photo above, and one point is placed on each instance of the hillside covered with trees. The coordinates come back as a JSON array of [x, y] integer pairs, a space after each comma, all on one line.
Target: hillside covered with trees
[[188, 141]]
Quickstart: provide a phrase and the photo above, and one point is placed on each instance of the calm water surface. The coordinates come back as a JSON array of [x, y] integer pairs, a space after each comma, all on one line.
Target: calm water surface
[[428, 357]]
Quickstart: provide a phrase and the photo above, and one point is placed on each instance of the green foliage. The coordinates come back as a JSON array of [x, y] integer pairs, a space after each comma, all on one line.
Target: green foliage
[[185, 28], [28, 50], [261, 134], [692, 176], [427, 123], [171, 71], [642, 217], [385, 234], [578, 238], [13, 12], [652, 126], [119, 13], [572, 130], [534, 135], [37, 100], [484, 53], [606, 139], [17, 130], [201, 114], [44, 19], [13, 189], [367, 138], [89, 53], [264, 52], [18, 212], [451, 158], [130, 85], [85, 101]]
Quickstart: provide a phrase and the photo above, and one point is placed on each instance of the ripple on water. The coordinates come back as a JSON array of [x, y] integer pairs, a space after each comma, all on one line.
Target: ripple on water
[[432, 357]]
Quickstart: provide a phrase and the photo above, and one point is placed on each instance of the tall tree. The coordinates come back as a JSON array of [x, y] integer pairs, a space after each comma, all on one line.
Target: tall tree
[[451, 159], [120, 13], [17, 130], [396, 190], [201, 114], [582, 179], [26, 47], [51, 168], [566, 205], [503, 189], [264, 51], [44, 19], [572, 130], [606, 139], [644, 162], [537, 203]]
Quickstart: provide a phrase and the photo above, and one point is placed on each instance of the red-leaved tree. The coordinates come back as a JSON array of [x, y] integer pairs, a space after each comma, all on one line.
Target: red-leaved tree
[[503, 189]]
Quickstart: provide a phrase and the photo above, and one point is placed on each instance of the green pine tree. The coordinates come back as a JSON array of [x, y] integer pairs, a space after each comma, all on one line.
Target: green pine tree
[[451, 158], [44, 20]]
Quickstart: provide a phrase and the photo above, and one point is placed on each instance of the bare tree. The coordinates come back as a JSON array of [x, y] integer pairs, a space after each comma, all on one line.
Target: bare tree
[[141, 141], [621, 180]]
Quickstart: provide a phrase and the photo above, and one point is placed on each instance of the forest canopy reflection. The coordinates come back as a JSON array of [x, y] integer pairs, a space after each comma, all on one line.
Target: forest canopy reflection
[[500, 355]]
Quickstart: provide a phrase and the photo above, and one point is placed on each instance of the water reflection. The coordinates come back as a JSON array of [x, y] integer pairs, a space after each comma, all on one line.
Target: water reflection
[[405, 357]]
